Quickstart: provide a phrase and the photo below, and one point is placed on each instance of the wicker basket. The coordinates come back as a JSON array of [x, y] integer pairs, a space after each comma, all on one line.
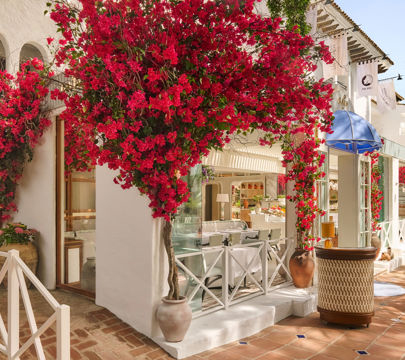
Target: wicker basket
[[346, 285]]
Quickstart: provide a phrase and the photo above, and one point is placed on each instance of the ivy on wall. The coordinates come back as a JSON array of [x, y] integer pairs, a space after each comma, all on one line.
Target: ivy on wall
[[293, 11]]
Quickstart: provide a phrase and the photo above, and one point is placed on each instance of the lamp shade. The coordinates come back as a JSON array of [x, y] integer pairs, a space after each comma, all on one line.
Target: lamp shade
[[222, 198], [328, 229]]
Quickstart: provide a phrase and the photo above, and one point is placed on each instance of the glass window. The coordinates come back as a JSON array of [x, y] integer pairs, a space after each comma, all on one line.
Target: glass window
[[365, 202], [2, 57]]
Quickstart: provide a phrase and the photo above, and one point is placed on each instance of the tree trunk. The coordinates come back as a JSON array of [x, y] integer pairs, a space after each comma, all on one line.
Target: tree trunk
[[172, 278]]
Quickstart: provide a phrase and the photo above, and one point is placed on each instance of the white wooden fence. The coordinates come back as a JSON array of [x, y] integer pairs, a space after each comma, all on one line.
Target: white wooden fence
[[16, 269], [221, 258]]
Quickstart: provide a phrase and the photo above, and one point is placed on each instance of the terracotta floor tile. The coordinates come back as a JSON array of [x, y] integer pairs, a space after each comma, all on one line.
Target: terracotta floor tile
[[391, 353], [281, 337], [324, 334], [266, 344], [374, 357], [391, 342], [322, 357], [274, 356], [312, 345], [362, 335], [348, 342], [227, 355], [295, 352], [251, 351], [340, 352]]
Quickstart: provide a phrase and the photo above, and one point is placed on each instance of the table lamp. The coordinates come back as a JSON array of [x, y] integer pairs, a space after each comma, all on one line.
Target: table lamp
[[328, 232], [222, 198]]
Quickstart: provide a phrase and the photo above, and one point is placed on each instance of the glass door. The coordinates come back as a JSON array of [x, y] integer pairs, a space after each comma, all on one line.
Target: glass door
[[76, 225]]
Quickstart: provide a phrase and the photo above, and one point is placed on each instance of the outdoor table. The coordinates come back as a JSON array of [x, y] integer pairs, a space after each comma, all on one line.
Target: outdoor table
[[346, 285]]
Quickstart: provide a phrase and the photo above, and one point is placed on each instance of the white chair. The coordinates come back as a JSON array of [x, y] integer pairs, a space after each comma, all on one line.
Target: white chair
[[216, 240], [234, 238]]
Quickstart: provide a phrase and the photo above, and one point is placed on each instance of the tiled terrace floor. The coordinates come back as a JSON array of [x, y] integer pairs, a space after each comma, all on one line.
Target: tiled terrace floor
[[97, 334]]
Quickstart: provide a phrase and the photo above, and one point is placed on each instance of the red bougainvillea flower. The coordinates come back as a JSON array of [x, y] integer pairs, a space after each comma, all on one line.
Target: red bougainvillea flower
[[377, 196], [162, 83], [21, 126]]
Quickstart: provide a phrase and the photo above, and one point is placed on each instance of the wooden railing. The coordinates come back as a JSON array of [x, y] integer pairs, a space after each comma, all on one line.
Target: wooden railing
[[15, 269]]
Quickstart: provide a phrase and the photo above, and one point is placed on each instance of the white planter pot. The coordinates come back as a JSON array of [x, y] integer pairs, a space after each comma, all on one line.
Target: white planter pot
[[174, 317]]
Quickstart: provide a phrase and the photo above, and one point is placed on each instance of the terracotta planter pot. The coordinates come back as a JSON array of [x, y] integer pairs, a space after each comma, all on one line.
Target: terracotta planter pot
[[376, 242], [174, 317], [28, 254], [302, 267]]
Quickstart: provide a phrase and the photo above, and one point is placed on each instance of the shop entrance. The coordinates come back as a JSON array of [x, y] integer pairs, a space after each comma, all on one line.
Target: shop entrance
[[75, 224]]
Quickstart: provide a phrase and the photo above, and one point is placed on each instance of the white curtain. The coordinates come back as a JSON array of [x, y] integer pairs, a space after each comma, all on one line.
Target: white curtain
[[386, 98], [338, 49], [367, 78]]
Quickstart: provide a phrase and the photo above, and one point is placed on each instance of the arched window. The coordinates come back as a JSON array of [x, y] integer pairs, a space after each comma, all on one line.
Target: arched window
[[29, 52], [2, 57]]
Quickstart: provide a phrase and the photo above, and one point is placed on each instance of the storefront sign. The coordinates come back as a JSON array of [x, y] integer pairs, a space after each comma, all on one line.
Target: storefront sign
[[386, 99], [367, 78]]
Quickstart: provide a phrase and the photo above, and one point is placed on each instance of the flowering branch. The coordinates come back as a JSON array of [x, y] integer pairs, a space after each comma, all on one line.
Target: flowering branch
[[21, 126]]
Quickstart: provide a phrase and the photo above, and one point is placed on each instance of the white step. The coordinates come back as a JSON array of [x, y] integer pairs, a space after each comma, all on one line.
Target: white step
[[242, 320]]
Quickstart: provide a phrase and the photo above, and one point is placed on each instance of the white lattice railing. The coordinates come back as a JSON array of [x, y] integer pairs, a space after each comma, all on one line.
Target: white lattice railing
[[385, 234], [392, 234], [15, 269], [220, 262]]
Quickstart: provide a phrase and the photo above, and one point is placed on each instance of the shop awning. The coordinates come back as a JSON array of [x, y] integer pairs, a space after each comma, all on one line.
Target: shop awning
[[352, 133]]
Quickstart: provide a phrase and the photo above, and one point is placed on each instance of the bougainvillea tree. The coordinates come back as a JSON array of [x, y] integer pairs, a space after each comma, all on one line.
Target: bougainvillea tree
[[21, 125], [161, 83]]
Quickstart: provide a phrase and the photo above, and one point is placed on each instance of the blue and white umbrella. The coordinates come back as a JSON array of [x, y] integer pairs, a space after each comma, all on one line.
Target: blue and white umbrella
[[352, 133]]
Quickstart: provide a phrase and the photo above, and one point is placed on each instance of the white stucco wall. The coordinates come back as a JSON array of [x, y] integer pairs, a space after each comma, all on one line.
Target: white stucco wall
[[131, 262], [23, 22], [388, 124], [35, 199]]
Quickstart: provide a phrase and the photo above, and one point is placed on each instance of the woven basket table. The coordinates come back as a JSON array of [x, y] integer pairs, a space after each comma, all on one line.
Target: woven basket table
[[346, 285]]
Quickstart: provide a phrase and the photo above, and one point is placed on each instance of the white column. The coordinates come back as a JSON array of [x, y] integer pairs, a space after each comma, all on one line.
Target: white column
[[349, 201], [131, 264]]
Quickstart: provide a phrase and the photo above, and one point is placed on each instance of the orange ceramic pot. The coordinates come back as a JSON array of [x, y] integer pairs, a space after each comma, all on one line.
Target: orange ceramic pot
[[302, 267]]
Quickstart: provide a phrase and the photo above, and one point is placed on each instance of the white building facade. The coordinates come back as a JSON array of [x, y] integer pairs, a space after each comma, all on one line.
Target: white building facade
[[116, 227]]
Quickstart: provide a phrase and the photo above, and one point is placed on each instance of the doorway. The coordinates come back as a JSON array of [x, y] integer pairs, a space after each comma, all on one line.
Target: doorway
[[75, 224]]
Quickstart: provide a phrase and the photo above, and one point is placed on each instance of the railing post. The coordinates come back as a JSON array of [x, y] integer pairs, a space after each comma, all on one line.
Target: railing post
[[225, 277], [265, 266], [63, 332], [13, 317]]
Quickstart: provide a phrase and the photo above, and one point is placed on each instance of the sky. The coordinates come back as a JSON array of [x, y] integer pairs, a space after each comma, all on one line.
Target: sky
[[384, 22]]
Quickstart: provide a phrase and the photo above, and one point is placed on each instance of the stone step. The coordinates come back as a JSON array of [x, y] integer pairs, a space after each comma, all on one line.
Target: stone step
[[242, 320]]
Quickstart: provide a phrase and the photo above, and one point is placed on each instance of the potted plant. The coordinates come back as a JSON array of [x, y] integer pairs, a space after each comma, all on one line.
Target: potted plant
[[304, 168], [258, 199], [17, 236]]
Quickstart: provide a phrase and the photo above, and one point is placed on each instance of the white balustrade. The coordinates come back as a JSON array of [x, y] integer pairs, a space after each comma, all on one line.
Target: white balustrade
[[232, 266], [16, 269]]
